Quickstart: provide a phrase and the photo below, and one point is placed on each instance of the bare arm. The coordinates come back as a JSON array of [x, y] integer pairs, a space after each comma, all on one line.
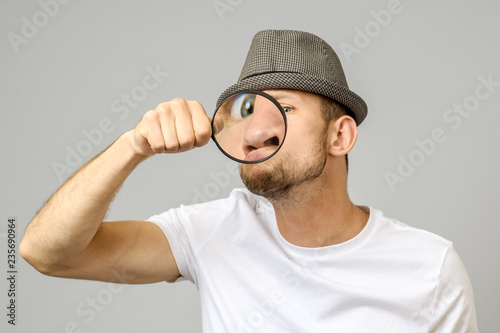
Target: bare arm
[[68, 237]]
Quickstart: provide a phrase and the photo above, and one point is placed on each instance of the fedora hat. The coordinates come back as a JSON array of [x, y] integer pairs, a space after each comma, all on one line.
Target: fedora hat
[[289, 59]]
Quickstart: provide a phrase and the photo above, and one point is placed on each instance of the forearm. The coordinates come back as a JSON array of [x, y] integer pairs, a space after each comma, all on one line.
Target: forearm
[[64, 227]]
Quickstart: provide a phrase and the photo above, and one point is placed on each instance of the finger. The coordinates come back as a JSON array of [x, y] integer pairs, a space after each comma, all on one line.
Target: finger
[[218, 125], [201, 124], [167, 124], [150, 131], [184, 127]]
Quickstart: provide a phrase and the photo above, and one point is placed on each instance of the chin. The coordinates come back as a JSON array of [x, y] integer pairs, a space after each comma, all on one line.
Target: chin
[[263, 179]]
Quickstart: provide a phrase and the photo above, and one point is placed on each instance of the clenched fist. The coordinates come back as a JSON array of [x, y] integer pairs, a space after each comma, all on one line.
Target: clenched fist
[[175, 126]]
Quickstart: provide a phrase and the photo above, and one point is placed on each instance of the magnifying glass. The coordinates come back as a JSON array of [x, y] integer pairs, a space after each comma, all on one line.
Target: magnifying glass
[[249, 126]]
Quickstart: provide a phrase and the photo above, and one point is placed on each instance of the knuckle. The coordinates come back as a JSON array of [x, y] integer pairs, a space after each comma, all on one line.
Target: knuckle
[[171, 148], [171, 107], [178, 101], [186, 142], [157, 149], [150, 115], [196, 104], [162, 107], [205, 130], [204, 134]]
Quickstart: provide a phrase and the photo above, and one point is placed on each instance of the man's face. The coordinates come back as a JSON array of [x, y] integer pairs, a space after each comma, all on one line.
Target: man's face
[[303, 154]]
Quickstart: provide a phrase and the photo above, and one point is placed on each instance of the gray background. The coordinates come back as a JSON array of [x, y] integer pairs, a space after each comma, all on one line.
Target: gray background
[[66, 77]]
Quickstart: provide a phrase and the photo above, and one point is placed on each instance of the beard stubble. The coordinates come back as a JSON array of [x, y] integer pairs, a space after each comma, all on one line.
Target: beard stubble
[[278, 182]]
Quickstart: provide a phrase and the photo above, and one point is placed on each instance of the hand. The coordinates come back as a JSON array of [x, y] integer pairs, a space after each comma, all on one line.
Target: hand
[[175, 126]]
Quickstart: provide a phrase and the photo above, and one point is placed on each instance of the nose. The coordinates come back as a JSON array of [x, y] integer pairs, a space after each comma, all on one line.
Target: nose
[[264, 131]]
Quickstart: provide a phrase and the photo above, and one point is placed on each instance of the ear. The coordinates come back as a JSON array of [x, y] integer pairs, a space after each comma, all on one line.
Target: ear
[[342, 135]]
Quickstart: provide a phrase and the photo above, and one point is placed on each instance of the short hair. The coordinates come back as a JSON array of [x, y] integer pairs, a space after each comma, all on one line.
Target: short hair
[[332, 110]]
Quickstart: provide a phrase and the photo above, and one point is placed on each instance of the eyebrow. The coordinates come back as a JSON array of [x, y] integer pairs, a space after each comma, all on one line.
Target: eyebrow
[[281, 94]]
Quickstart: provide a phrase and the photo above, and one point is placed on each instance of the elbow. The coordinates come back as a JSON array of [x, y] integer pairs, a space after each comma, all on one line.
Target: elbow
[[37, 260], [25, 251]]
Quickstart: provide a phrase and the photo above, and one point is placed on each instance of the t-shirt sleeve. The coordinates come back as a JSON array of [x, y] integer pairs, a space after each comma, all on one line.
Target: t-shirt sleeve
[[454, 309], [189, 228], [176, 231]]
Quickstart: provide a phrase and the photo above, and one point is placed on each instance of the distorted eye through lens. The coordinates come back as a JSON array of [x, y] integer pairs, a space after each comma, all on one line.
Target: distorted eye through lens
[[242, 106]]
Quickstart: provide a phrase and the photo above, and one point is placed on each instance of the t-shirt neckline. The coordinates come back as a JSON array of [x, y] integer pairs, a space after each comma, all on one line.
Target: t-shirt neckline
[[329, 250]]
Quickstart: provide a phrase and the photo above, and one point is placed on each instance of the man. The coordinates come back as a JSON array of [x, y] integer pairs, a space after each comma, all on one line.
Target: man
[[308, 261]]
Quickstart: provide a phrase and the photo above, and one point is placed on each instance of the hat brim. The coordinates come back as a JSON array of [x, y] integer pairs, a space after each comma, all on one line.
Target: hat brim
[[298, 81]]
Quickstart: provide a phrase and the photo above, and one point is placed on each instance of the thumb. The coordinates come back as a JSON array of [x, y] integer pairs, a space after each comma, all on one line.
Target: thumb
[[217, 125]]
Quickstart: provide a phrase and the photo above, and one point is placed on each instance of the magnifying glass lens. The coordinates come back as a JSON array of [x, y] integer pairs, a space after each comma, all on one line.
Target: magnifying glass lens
[[249, 126]]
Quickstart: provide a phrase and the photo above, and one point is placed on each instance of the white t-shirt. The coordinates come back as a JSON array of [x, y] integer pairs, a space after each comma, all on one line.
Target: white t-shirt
[[389, 278]]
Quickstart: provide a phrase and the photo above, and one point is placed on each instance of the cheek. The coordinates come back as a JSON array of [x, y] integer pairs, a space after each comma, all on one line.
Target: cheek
[[301, 134]]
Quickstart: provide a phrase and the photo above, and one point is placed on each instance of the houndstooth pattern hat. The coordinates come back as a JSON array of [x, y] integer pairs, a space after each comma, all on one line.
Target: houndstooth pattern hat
[[289, 59]]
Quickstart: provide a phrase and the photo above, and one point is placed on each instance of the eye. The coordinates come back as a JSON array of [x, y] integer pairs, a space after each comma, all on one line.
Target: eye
[[287, 108], [242, 106]]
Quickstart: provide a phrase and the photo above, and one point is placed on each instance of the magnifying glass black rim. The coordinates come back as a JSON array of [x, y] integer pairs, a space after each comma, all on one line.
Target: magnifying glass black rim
[[255, 92]]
